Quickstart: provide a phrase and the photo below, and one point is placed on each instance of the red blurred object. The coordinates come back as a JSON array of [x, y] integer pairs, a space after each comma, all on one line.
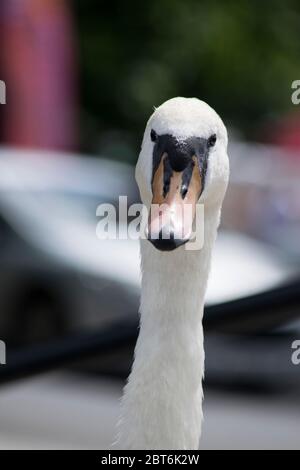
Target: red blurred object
[[286, 133], [38, 67]]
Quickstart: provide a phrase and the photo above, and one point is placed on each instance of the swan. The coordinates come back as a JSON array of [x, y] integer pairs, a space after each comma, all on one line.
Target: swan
[[183, 159]]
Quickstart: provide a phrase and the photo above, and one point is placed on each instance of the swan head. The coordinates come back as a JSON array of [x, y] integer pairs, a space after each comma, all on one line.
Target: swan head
[[183, 162]]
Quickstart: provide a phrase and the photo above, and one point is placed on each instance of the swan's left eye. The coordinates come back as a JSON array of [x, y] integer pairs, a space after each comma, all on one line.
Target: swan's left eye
[[153, 135], [212, 140]]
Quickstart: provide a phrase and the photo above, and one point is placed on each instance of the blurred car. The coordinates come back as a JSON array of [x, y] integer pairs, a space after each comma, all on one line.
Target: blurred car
[[56, 275]]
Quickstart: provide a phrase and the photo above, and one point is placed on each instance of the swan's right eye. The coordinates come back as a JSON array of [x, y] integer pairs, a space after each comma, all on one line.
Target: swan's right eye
[[153, 135], [212, 140]]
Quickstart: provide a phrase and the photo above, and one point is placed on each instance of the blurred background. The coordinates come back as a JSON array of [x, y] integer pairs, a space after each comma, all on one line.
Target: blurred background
[[81, 80]]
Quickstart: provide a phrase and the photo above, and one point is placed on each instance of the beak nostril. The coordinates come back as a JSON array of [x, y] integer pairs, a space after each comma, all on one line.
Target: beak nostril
[[184, 191], [166, 189]]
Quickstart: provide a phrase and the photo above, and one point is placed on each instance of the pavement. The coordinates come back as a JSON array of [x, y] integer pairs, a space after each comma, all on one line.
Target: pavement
[[66, 411]]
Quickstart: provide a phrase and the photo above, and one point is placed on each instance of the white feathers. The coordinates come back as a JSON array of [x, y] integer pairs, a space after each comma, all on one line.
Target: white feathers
[[187, 117]]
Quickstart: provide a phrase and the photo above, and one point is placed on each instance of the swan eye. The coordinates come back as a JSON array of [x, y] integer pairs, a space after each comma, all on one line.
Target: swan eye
[[212, 140], [153, 135]]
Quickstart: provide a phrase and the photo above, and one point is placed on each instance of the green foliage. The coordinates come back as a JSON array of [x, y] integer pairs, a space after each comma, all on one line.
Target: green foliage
[[240, 56]]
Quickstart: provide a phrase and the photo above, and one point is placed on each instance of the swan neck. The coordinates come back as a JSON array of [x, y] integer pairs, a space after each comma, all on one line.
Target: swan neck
[[162, 401]]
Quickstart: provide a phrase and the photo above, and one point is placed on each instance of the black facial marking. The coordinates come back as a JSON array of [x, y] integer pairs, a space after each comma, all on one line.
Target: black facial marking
[[179, 157], [186, 178], [168, 172]]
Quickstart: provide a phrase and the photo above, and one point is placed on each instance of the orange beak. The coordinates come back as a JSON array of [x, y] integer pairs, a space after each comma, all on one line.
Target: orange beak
[[173, 207]]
